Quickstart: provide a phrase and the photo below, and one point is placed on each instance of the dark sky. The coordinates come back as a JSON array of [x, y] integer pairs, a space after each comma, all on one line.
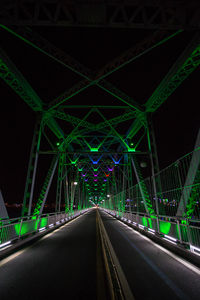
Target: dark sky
[[176, 122]]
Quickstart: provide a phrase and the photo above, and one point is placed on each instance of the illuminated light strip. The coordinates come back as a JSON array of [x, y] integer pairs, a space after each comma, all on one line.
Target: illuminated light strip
[[134, 223], [5, 244], [174, 256], [195, 250], [170, 238], [141, 226], [129, 221], [151, 230], [58, 222], [42, 229], [51, 225], [170, 241]]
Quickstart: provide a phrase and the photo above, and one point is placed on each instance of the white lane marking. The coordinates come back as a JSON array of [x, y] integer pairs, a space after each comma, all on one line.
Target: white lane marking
[[174, 256], [16, 254], [11, 257]]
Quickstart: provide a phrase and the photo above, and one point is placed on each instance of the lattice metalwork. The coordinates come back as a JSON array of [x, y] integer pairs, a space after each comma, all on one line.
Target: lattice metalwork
[[112, 13]]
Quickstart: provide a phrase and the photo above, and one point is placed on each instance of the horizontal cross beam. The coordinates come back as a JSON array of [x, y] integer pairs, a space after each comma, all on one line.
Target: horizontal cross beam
[[146, 14]]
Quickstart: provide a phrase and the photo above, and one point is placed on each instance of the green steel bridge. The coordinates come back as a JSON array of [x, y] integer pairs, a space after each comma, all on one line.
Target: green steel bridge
[[100, 155]]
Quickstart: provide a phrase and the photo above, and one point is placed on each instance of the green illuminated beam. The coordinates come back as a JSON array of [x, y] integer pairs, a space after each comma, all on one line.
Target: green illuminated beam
[[117, 120], [39, 43], [115, 92], [156, 39], [72, 135], [74, 90], [44, 46], [14, 78], [183, 67], [45, 188], [113, 130], [71, 119], [73, 66]]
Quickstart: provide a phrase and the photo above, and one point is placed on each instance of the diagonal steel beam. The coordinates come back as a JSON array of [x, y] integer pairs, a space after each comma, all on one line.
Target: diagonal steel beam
[[182, 68], [71, 119], [154, 40], [60, 56], [13, 77], [114, 121]]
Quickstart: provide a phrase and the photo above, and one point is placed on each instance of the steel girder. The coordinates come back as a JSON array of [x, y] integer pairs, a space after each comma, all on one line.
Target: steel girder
[[182, 68], [71, 119], [146, 14], [117, 120], [91, 78], [45, 188], [14, 78]]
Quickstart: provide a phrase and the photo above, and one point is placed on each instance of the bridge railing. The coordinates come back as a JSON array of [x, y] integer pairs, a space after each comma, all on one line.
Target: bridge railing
[[172, 209], [177, 191], [174, 230], [12, 230]]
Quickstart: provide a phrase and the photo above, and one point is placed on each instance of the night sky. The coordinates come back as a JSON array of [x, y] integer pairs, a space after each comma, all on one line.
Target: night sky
[[176, 122]]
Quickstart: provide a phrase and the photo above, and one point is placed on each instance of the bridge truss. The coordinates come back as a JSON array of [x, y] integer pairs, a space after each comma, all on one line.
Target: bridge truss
[[96, 147]]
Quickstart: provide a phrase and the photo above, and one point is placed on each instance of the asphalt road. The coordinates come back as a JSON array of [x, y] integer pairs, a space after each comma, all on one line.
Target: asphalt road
[[151, 272], [61, 265], [65, 265]]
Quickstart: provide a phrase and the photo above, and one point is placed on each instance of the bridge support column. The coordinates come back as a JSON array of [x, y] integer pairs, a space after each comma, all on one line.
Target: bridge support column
[[32, 166], [60, 181], [154, 164]]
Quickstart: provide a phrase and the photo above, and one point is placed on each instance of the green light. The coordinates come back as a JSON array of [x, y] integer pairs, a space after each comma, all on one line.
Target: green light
[[24, 229], [43, 222], [131, 149], [94, 149], [57, 144], [165, 227], [132, 144], [145, 222]]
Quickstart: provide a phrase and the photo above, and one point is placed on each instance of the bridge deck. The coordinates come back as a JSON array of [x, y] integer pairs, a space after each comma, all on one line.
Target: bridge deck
[[63, 264], [151, 272]]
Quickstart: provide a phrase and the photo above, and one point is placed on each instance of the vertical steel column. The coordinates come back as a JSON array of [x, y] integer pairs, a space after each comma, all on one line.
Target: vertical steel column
[[60, 181], [154, 162], [48, 182], [32, 166], [140, 185]]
